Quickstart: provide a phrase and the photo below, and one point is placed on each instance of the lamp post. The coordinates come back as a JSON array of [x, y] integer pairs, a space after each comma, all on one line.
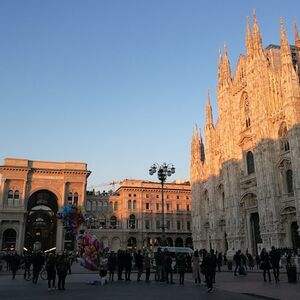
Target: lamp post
[[163, 171]]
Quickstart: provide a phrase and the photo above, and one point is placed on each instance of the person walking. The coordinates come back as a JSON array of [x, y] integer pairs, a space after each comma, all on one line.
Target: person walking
[[27, 265], [112, 265], [275, 260], [51, 272], [168, 267], [37, 263], [15, 264], [209, 265], [159, 265], [181, 264], [238, 261], [128, 265], [120, 263], [139, 264], [147, 265], [265, 264], [196, 267], [220, 261], [62, 267]]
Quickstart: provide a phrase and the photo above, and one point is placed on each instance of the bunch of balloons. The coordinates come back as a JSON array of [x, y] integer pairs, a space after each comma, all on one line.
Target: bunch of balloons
[[90, 250], [71, 217]]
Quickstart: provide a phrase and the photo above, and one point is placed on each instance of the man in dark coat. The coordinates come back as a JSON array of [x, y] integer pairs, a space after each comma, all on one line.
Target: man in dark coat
[[15, 264], [139, 264], [120, 263], [128, 265], [209, 265], [37, 263], [238, 261], [275, 260]]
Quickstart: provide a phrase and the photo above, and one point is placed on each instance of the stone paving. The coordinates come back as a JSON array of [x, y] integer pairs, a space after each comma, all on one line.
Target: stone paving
[[77, 287]]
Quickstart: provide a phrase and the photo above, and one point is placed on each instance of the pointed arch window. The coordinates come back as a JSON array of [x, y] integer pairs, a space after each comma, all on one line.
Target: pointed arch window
[[134, 204], [129, 204], [283, 138], [250, 163], [289, 181]]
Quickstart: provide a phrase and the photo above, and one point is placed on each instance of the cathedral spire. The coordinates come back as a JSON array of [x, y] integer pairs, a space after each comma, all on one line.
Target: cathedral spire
[[286, 56], [220, 66], [257, 40], [297, 38], [249, 42], [226, 64], [209, 117]]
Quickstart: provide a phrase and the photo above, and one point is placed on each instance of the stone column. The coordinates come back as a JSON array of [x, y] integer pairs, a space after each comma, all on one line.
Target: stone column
[[60, 232], [21, 236]]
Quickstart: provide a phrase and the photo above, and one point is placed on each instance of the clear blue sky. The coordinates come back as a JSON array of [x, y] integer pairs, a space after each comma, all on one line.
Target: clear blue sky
[[118, 84]]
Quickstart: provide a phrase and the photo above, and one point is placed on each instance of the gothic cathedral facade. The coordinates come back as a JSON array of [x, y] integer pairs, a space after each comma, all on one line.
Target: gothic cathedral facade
[[246, 179]]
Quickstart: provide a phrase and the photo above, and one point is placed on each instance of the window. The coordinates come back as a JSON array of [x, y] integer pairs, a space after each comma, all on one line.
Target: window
[[16, 195], [16, 198], [178, 225], [147, 205], [134, 204], [157, 224], [70, 197], [168, 224], [157, 206], [129, 204], [147, 224], [168, 206], [94, 206], [188, 207], [157, 196], [113, 222], [147, 195], [129, 195], [10, 194], [167, 196], [177, 207], [177, 197], [289, 181], [132, 222], [188, 225], [116, 206], [282, 135], [187, 197], [250, 163], [134, 195], [75, 202]]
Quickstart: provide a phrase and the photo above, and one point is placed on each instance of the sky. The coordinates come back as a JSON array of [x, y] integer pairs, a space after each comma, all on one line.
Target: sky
[[118, 84]]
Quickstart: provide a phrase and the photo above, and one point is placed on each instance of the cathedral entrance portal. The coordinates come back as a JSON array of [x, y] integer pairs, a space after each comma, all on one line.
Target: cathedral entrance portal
[[41, 220], [255, 232]]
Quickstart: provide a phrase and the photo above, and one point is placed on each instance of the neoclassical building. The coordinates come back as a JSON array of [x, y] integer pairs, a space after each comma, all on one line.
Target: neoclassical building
[[31, 193], [132, 216], [246, 178]]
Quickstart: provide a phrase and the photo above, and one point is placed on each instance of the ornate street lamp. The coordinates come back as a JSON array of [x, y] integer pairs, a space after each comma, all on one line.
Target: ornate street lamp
[[163, 171]]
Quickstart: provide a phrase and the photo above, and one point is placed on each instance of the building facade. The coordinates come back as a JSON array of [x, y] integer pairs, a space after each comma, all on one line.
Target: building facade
[[31, 193], [246, 179], [132, 216]]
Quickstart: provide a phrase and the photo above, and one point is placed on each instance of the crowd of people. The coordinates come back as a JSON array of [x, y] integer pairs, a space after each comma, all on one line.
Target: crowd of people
[[161, 264], [55, 265]]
